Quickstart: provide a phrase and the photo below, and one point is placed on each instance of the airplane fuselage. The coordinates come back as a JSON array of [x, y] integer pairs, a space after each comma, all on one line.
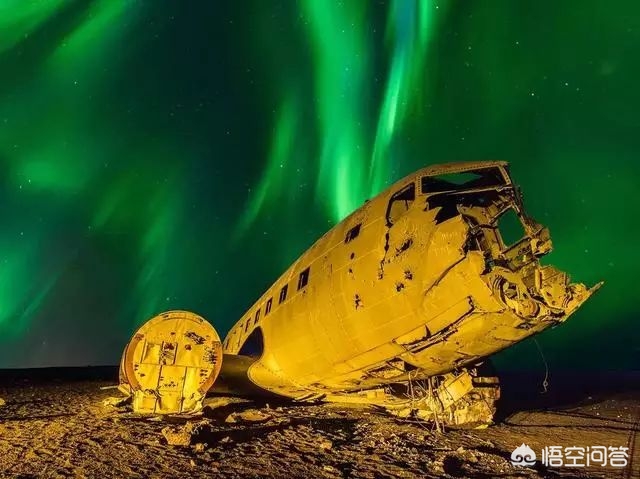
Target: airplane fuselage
[[417, 282]]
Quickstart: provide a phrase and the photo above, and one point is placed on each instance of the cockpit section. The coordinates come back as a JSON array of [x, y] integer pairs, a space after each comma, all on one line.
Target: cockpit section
[[489, 188], [482, 178], [493, 208]]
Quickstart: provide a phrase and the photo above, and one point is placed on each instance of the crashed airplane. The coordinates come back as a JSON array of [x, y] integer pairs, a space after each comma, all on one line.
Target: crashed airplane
[[397, 306]]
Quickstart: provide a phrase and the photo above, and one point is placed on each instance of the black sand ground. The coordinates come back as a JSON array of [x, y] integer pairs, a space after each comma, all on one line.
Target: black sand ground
[[54, 424]]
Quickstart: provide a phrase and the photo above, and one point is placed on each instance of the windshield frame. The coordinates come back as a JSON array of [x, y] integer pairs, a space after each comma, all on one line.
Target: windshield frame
[[487, 178]]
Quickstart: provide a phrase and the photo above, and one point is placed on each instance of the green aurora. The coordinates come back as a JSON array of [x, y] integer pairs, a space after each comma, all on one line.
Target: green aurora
[[179, 155]]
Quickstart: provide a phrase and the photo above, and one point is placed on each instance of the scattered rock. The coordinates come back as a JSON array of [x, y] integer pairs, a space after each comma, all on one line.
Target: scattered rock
[[250, 415], [326, 445], [253, 415], [189, 434], [199, 447], [466, 455], [116, 401], [216, 402], [176, 436], [438, 466], [350, 443]]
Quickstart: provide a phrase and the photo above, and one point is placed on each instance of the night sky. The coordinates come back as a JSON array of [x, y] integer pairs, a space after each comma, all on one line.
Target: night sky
[[161, 155]]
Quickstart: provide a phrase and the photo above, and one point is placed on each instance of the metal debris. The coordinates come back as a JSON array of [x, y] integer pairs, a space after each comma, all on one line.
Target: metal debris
[[170, 364], [396, 306]]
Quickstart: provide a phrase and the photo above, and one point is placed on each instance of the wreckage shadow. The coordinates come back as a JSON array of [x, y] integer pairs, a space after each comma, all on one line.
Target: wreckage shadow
[[34, 417], [12, 410], [230, 437], [240, 404], [523, 392], [632, 425]]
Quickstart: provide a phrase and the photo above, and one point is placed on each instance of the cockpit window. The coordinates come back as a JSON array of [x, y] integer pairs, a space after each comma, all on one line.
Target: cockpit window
[[464, 180], [400, 203], [510, 227]]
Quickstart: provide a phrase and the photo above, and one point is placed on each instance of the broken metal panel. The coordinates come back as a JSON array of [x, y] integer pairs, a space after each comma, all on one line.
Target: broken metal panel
[[463, 398], [417, 334], [170, 363]]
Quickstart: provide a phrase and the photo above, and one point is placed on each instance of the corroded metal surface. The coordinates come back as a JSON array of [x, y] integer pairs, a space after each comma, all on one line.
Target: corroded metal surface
[[422, 282], [170, 363], [428, 284]]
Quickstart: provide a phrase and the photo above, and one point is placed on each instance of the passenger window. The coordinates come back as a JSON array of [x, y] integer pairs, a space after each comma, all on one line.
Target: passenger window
[[353, 233], [267, 309], [303, 279], [257, 318], [283, 294], [400, 203]]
